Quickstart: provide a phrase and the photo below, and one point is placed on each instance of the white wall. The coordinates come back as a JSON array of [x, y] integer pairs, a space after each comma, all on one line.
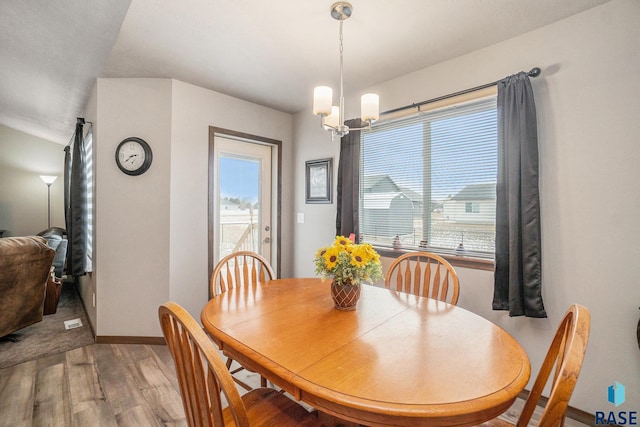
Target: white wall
[[319, 227], [23, 194], [132, 212], [588, 104], [193, 110], [151, 230]]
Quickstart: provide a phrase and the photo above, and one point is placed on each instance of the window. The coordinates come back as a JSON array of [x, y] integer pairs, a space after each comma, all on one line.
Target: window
[[429, 180], [88, 146], [471, 207]]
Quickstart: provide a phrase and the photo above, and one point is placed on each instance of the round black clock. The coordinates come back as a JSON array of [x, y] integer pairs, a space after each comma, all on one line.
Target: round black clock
[[133, 156]]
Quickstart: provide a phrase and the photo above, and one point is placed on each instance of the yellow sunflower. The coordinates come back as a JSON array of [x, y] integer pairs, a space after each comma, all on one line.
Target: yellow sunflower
[[360, 257], [343, 242], [331, 257], [320, 252], [372, 254]]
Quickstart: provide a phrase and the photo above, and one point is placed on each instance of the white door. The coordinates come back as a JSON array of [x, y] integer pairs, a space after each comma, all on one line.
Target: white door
[[242, 197]]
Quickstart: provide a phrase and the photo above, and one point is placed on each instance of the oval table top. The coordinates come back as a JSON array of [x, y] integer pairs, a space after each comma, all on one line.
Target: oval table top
[[397, 359]]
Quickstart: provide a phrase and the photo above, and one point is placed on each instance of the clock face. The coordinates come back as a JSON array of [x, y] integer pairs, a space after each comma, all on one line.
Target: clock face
[[133, 156]]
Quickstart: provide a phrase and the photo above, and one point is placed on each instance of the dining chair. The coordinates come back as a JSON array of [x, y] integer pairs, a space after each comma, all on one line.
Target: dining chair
[[204, 380], [565, 354], [424, 274], [239, 269]]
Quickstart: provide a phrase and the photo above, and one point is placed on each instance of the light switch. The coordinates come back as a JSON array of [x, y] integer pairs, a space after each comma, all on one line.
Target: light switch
[[300, 218]]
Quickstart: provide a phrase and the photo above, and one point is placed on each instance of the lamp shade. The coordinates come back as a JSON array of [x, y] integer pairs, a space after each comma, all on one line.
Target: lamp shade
[[369, 107], [48, 179], [333, 119], [322, 100]]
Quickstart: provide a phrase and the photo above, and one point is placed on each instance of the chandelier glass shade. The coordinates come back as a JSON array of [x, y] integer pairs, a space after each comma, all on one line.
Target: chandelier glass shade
[[332, 116]]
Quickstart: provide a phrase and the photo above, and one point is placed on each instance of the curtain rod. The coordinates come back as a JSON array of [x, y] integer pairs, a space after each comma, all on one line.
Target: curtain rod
[[79, 119], [535, 72]]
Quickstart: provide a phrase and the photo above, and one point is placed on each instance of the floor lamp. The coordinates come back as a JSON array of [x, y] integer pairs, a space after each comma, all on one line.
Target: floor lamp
[[48, 179]]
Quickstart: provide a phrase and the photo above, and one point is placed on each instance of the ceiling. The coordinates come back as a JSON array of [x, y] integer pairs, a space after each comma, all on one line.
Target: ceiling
[[269, 52]]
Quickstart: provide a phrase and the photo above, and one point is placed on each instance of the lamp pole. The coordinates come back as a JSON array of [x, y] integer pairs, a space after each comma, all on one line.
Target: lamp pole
[[48, 205], [48, 179]]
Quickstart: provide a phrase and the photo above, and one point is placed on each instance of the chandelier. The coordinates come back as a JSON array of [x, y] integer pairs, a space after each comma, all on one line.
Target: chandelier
[[332, 117]]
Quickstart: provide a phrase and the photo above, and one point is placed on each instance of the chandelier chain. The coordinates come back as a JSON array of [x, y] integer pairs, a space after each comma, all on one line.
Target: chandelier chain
[[332, 117], [341, 101]]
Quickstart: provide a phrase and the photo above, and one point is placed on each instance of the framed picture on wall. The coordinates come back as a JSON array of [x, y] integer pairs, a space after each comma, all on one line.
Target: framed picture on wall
[[318, 178]]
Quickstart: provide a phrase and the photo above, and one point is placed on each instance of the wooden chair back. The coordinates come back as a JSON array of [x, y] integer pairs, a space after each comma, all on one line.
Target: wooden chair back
[[424, 274], [201, 373], [239, 269], [565, 357]]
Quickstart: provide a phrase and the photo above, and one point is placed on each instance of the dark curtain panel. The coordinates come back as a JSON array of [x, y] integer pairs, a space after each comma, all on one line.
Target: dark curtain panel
[[518, 284], [67, 183], [347, 220], [77, 210]]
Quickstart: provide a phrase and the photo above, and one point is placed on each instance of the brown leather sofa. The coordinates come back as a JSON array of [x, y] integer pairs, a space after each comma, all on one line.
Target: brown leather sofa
[[25, 263]]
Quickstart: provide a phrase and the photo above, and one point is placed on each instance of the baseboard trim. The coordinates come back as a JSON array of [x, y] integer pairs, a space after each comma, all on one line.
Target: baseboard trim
[[573, 413], [109, 339]]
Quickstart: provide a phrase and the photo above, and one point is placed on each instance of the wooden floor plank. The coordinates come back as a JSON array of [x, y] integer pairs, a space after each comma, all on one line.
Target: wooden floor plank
[[117, 382], [165, 362], [94, 413], [137, 416], [158, 391], [49, 409], [88, 403], [17, 386]]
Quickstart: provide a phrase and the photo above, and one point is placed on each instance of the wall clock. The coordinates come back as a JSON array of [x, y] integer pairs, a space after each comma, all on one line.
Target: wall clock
[[133, 156]]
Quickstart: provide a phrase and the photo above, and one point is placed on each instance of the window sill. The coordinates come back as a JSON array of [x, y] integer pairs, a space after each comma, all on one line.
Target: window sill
[[455, 260]]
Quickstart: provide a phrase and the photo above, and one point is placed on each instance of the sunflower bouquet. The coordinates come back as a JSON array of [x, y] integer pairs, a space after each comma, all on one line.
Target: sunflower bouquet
[[347, 262]]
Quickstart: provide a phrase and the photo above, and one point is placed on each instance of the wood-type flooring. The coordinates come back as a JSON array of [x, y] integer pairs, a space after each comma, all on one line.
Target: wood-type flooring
[[105, 385]]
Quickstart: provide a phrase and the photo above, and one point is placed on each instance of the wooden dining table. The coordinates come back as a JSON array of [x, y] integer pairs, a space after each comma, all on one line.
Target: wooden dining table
[[397, 360]]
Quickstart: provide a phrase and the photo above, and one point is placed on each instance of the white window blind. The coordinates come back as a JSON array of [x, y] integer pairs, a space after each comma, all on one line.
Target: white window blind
[[88, 145], [429, 181]]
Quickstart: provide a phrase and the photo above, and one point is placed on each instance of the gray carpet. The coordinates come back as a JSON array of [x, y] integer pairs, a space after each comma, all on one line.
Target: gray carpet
[[49, 336]]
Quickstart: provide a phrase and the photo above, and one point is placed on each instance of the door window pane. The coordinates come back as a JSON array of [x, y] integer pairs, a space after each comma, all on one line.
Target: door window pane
[[239, 207]]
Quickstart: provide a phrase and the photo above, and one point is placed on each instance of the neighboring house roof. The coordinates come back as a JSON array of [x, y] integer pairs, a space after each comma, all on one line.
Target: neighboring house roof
[[379, 184], [380, 200], [412, 194], [477, 192], [386, 184]]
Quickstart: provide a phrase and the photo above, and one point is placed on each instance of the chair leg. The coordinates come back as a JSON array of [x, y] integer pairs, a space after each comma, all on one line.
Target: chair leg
[[242, 384], [238, 381], [263, 380]]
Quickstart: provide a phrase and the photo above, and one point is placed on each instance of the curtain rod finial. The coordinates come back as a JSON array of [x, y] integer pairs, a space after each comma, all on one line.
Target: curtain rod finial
[[535, 72]]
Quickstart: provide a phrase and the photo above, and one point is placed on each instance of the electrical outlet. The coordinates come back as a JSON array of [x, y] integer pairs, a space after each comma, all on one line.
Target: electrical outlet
[[300, 218]]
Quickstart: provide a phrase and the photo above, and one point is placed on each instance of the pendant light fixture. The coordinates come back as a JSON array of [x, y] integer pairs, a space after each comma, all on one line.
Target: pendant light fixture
[[332, 117]]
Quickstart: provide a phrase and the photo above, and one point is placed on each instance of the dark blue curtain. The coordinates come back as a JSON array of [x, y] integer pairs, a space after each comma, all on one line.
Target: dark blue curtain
[[518, 258], [76, 203]]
